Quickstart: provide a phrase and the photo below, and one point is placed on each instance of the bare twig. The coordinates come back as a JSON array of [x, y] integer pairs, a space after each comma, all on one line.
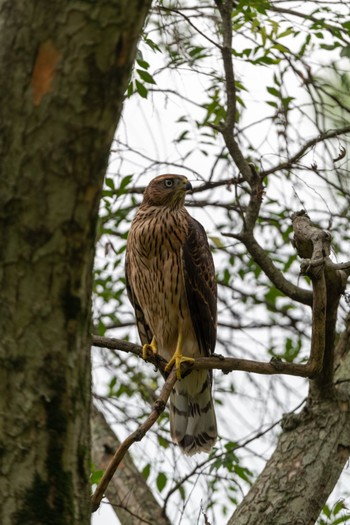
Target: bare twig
[[137, 435], [188, 20], [308, 145]]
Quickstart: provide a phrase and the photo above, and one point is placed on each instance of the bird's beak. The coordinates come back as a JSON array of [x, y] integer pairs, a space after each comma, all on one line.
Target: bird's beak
[[188, 186]]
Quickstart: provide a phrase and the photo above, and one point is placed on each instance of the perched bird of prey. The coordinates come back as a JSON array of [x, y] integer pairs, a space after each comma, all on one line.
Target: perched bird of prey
[[171, 284]]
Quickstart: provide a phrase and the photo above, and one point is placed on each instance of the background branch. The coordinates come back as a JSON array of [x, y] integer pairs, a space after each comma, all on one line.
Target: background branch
[[306, 146], [137, 435], [127, 492]]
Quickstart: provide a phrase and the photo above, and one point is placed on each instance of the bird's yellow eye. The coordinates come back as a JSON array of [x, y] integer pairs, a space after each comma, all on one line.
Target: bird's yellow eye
[[168, 183]]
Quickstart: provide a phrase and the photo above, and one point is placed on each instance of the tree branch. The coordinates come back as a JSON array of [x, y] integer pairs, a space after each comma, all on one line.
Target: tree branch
[[227, 129], [306, 16], [215, 362], [190, 23], [309, 144], [127, 492], [303, 466], [271, 271], [137, 435], [131, 348], [313, 244]]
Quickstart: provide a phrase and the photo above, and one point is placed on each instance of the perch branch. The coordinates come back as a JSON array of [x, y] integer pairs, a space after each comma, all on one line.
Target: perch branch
[[215, 362], [130, 348], [137, 435]]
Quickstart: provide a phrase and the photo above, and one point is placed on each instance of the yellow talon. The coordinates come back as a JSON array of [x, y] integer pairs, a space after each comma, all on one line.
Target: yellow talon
[[152, 347], [178, 358]]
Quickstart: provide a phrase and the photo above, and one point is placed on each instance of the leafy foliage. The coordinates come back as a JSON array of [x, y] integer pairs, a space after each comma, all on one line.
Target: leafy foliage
[[335, 515]]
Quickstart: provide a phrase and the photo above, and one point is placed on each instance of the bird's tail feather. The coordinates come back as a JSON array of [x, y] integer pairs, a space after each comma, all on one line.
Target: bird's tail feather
[[192, 415]]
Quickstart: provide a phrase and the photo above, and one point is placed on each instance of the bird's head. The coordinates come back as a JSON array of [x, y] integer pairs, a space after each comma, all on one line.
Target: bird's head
[[167, 191]]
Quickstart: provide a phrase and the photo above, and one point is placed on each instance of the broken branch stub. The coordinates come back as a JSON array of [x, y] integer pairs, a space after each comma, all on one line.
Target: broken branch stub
[[311, 243]]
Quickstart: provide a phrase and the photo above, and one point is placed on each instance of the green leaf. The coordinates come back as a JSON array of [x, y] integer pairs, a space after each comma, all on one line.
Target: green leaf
[[112, 384], [146, 471], [288, 32], [281, 47], [217, 241], [151, 44], [163, 442], [130, 90], [338, 507], [182, 492], [197, 52], [326, 511], [345, 52], [243, 472], [263, 35], [145, 76], [110, 183], [182, 136], [273, 91], [271, 295], [123, 185], [343, 519], [141, 89], [161, 481], [266, 60], [96, 476], [143, 64]]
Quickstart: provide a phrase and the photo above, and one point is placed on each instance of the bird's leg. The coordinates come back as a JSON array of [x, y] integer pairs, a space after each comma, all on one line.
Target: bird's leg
[[178, 358], [152, 347]]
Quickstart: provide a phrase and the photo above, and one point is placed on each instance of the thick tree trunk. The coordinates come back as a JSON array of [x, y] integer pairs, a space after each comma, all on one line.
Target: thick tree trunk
[[309, 458], [64, 69], [128, 492]]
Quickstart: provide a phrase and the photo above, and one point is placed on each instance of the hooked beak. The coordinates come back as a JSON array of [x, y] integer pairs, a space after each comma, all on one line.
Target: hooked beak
[[188, 186]]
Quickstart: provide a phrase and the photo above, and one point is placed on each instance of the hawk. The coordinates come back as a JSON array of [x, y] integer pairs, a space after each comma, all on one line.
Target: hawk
[[171, 284]]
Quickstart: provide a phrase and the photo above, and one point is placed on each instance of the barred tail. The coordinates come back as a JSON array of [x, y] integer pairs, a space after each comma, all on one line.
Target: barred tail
[[192, 415]]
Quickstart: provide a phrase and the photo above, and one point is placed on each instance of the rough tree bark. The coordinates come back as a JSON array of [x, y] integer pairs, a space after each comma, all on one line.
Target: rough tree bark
[[311, 453], [64, 69]]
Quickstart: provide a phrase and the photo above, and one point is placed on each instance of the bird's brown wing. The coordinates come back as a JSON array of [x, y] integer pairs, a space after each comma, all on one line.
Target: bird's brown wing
[[144, 330], [200, 284]]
